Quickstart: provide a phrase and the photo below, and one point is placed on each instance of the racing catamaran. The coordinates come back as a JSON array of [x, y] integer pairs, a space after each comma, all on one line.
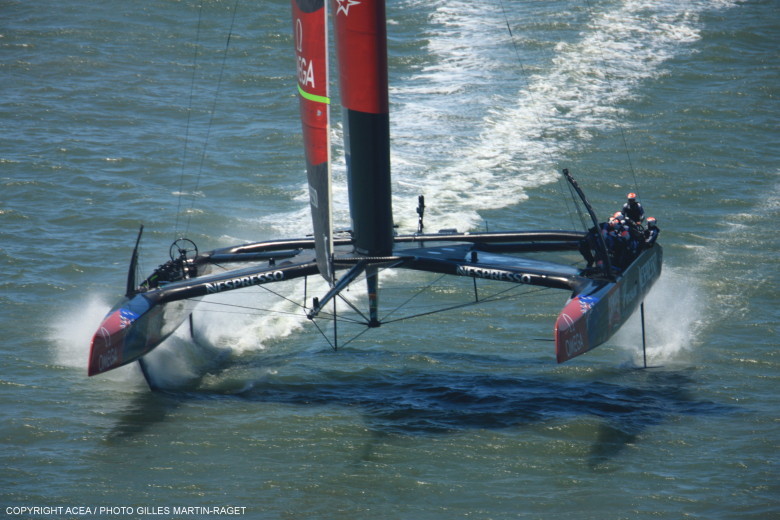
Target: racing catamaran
[[601, 298]]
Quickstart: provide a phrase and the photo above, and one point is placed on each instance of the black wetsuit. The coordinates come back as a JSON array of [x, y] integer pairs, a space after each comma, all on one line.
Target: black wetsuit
[[634, 211], [651, 235]]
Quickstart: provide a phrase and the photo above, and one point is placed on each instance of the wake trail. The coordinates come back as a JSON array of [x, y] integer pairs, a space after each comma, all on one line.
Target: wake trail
[[559, 110]]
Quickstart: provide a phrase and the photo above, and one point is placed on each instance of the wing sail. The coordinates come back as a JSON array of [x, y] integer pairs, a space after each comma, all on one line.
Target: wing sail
[[310, 29], [362, 58]]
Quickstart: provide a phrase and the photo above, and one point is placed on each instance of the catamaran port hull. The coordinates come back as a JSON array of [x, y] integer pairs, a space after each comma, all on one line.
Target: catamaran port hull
[[132, 329], [140, 323]]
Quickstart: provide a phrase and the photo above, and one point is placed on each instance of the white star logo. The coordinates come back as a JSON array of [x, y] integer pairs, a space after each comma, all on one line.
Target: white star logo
[[344, 6]]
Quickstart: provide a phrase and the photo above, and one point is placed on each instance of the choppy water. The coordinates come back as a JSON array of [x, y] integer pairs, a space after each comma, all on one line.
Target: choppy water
[[454, 415]]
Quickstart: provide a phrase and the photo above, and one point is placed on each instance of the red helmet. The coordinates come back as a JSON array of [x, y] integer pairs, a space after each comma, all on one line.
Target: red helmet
[[632, 196], [650, 221], [618, 215]]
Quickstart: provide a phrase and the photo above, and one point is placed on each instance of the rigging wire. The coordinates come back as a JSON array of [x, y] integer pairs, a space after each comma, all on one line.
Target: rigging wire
[[265, 288], [539, 121], [354, 308], [490, 299], [231, 308], [618, 122], [189, 120], [263, 311], [501, 295], [620, 126], [495, 297], [580, 210], [356, 336], [213, 111], [210, 124], [415, 295], [257, 310]]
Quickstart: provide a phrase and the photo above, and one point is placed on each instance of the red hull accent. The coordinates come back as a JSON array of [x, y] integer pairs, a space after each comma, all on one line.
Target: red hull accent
[[107, 344], [571, 331], [133, 329]]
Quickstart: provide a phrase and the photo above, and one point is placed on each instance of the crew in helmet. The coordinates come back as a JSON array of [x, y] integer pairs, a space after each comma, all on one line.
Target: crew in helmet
[[633, 210], [620, 241], [590, 243], [652, 231], [635, 233]]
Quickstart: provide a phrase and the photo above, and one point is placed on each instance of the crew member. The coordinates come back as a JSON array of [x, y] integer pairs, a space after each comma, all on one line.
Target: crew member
[[633, 210], [619, 250], [635, 236], [589, 243], [651, 233]]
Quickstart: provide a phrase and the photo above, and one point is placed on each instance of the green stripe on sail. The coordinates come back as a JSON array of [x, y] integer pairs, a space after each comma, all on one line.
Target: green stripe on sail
[[313, 97]]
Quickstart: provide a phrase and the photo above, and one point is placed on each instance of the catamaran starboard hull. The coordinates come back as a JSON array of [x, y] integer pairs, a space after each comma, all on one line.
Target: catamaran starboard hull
[[595, 313]]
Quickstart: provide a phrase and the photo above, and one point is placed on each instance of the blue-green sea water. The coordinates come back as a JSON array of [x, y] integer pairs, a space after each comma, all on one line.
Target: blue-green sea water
[[114, 114]]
